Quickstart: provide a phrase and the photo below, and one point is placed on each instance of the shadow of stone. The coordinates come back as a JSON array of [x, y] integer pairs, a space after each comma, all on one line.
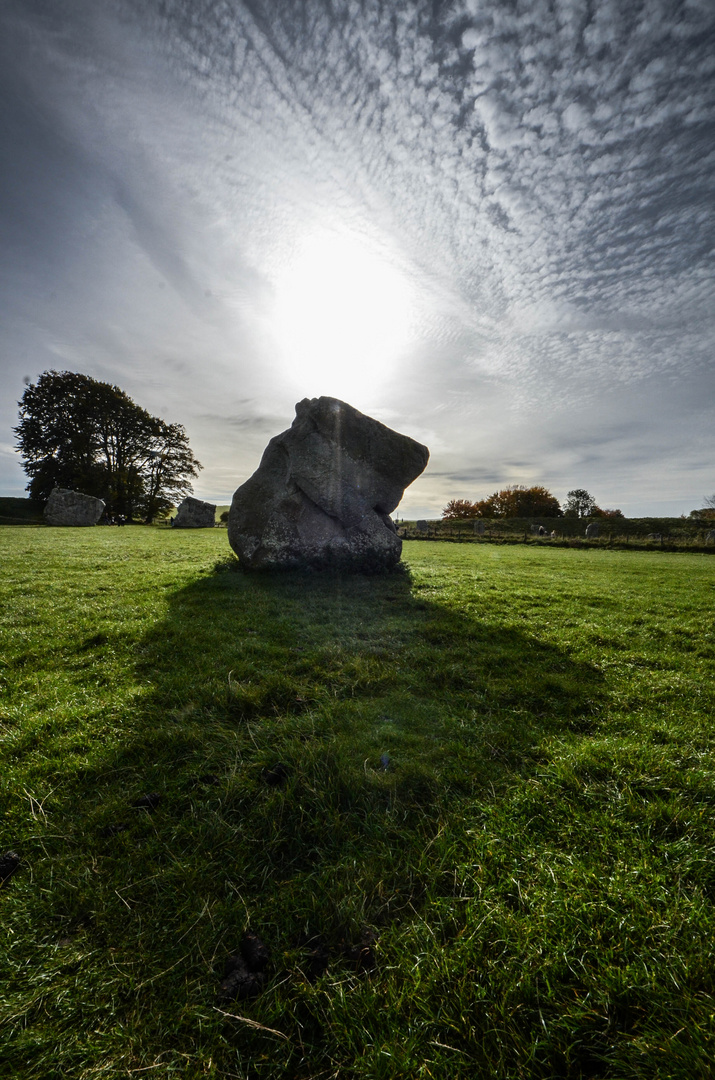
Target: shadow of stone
[[311, 708], [305, 761], [241, 646]]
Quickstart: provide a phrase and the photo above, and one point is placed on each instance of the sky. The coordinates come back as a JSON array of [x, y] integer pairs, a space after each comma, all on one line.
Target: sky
[[486, 223]]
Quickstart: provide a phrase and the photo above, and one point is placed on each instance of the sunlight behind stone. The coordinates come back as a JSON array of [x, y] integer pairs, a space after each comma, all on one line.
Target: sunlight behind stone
[[343, 315]]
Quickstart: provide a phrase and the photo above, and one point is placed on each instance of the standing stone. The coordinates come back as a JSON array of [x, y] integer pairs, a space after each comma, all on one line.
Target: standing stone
[[710, 538], [195, 514], [592, 530], [65, 507], [324, 491], [479, 528]]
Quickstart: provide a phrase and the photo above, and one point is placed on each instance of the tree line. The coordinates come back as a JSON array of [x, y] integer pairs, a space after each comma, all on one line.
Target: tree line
[[519, 501], [89, 436]]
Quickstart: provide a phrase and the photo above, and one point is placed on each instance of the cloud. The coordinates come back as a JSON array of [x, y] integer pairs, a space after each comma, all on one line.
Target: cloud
[[540, 175]]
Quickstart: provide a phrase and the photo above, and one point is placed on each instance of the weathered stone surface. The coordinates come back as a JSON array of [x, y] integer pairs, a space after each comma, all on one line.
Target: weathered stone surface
[[710, 538], [66, 507], [324, 491], [593, 530], [195, 514]]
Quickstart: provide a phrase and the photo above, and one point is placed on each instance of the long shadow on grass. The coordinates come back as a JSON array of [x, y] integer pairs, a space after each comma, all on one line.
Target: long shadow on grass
[[301, 743], [296, 726]]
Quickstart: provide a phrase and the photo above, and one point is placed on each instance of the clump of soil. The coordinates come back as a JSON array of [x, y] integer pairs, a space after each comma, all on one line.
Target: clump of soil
[[362, 953], [244, 973], [254, 952], [276, 775], [317, 960], [9, 863], [318, 954]]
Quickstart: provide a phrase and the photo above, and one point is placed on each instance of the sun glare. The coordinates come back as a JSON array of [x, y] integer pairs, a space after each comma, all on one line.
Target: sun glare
[[343, 316]]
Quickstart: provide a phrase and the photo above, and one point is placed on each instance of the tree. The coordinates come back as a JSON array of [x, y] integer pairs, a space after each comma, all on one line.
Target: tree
[[514, 501], [607, 514], [79, 433], [707, 512], [170, 462], [579, 503], [459, 510], [520, 501]]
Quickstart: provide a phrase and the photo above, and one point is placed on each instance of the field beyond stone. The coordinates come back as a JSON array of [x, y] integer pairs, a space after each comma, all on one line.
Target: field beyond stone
[[488, 849]]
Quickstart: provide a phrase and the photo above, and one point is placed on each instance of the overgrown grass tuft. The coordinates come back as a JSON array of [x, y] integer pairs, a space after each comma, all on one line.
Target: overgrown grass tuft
[[469, 808]]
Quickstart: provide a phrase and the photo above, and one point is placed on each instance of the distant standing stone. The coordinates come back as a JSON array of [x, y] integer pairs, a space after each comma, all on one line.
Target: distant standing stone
[[479, 528], [710, 538], [324, 491], [65, 507], [195, 514], [592, 530]]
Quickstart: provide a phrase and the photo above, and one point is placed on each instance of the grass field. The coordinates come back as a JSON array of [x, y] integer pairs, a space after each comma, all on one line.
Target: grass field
[[468, 807]]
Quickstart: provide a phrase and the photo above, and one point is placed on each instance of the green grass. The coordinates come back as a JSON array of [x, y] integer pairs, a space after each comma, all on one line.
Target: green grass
[[535, 860]]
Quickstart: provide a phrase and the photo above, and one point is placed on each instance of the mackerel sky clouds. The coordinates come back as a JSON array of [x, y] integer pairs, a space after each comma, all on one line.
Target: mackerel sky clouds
[[489, 224]]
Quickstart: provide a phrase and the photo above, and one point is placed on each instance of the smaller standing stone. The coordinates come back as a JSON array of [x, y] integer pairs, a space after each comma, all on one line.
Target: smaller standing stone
[[710, 538], [195, 514], [592, 530], [65, 507]]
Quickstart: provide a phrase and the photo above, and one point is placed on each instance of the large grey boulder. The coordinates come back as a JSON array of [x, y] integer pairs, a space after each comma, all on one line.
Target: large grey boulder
[[65, 507], [195, 514], [324, 491]]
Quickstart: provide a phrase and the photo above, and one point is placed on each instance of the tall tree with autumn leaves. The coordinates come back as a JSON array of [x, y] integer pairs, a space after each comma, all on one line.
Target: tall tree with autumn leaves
[[516, 501]]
